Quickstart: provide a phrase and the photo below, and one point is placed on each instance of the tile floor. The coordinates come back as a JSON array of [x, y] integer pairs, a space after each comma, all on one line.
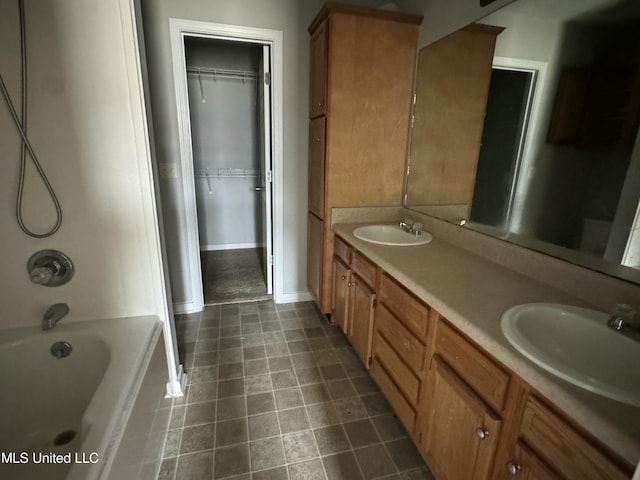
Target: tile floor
[[277, 393]]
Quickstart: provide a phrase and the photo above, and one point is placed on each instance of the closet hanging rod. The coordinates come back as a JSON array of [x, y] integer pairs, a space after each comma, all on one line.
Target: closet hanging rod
[[223, 73], [228, 173]]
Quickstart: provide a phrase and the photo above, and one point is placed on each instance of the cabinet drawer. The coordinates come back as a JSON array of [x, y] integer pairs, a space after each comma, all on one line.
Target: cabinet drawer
[[400, 338], [473, 366], [342, 250], [364, 268], [397, 370], [559, 445], [407, 308], [403, 409]]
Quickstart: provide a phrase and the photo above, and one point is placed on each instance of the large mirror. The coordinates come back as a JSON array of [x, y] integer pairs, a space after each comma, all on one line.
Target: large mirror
[[526, 128]]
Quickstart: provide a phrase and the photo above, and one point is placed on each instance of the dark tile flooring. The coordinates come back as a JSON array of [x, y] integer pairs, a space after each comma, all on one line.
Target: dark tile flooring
[[277, 393]]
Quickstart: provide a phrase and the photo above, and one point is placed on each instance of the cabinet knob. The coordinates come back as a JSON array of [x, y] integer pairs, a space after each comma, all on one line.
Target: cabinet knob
[[343, 277], [318, 139], [319, 104], [350, 284], [481, 433], [513, 468]]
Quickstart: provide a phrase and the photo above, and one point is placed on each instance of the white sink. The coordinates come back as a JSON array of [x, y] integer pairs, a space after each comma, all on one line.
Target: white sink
[[391, 235], [576, 345]]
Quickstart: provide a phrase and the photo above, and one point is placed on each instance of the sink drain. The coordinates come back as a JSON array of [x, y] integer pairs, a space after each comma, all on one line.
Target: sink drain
[[61, 349], [64, 437]]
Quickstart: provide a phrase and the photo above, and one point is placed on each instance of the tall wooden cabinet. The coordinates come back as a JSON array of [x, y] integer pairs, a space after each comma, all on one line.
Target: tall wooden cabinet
[[362, 69], [452, 88]]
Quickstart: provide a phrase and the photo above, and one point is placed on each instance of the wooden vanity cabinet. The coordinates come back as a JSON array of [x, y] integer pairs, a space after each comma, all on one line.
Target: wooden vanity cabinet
[[341, 284], [460, 422], [362, 305], [548, 446], [362, 69], [470, 416], [354, 297], [399, 348], [452, 87]]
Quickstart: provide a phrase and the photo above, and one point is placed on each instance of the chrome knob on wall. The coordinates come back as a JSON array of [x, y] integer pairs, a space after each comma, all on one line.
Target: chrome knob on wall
[[50, 268]]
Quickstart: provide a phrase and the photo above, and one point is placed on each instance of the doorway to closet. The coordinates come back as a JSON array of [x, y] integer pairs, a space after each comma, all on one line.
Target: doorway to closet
[[230, 115]]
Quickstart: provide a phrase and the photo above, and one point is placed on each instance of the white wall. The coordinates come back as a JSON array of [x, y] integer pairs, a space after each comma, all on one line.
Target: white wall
[[290, 16], [86, 123], [442, 17], [224, 127]]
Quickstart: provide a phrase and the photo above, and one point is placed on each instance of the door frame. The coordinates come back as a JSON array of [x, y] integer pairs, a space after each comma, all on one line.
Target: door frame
[[527, 149], [179, 29]]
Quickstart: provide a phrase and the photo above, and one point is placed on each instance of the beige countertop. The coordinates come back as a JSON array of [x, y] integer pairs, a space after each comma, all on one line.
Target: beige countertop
[[472, 292]]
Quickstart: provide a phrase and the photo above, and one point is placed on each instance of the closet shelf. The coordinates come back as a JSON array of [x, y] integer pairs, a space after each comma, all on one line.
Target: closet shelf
[[227, 173], [222, 73]]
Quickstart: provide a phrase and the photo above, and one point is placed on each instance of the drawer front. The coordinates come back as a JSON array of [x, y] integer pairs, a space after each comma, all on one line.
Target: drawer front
[[473, 366], [405, 306], [405, 412], [400, 338], [558, 444], [364, 268], [402, 376], [342, 250]]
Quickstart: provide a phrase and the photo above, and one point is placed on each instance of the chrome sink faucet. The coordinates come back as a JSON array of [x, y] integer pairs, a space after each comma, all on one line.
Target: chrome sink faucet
[[53, 315], [622, 320], [410, 226]]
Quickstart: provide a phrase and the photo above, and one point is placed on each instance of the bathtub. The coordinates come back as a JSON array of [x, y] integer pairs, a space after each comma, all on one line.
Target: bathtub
[[64, 418]]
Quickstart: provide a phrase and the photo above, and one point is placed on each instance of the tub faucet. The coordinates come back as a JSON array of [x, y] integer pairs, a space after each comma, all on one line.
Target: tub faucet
[[53, 315]]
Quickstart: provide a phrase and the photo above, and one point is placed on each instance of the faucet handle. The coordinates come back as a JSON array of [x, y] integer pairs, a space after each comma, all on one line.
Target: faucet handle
[[624, 312], [417, 228]]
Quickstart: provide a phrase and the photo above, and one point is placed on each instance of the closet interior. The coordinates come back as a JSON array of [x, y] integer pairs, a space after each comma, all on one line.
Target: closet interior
[[226, 92]]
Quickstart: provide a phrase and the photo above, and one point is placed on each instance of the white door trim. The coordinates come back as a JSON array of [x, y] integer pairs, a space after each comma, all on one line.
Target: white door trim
[[179, 29], [522, 182]]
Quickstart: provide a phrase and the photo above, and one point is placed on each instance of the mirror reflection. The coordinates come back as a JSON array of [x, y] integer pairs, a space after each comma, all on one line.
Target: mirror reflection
[[547, 95]]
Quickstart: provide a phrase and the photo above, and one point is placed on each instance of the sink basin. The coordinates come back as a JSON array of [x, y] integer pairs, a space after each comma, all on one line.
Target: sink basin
[[390, 235], [576, 344]]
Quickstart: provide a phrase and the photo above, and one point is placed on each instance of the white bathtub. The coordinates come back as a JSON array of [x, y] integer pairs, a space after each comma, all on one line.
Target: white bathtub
[[62, 419]]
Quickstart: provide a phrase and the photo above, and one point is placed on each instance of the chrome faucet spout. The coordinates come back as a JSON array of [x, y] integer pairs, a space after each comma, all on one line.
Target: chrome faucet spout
[[53, 315], [623, 320]]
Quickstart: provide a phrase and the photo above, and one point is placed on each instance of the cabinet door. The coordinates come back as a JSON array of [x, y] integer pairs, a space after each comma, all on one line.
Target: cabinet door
[[318, 71], [361, 318], [316, 166], [341, 285], [314, 255], [459, 434]]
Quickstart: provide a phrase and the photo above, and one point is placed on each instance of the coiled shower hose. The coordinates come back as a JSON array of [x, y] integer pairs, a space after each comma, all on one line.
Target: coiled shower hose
[[21, 125]]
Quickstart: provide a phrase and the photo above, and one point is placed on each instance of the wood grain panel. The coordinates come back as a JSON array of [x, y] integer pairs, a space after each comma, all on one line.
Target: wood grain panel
[[484, 376], [369, 100], [341, 286], [316, 166], [450, 442], [314, 254], [342, 250], [400, 338], [318, 71], [397, 370], [403, 409], [452, 88], [406, 307], [365, 269], [558, 444]]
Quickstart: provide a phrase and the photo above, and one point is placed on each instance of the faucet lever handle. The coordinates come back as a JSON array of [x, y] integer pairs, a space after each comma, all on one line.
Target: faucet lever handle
[[624, 312]]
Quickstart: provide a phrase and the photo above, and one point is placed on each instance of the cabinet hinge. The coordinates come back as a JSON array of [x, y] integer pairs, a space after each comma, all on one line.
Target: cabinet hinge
[[270, 260], [267, 78], [269, 176], [369, 360], [375, 303], [420, 438]]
